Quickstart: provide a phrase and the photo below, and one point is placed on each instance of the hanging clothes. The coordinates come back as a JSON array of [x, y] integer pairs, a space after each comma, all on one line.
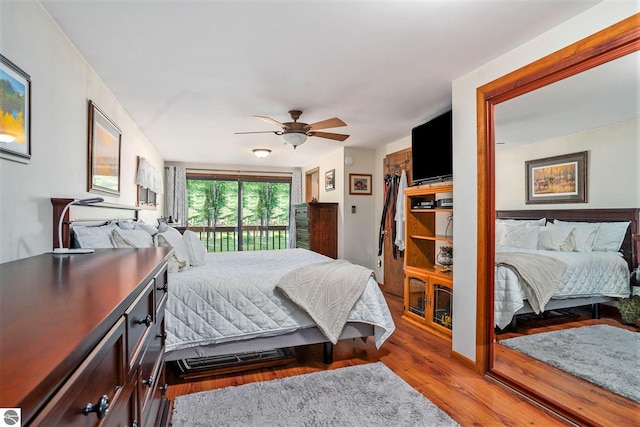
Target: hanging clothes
[[400, 213], [388, 191]]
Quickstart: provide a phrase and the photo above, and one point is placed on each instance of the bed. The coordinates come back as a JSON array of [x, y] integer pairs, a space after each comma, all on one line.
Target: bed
[[226, 303], [591, 270]]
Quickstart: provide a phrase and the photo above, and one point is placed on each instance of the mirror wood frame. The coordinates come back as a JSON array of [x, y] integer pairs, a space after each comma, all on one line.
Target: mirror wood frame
[[611, 43]]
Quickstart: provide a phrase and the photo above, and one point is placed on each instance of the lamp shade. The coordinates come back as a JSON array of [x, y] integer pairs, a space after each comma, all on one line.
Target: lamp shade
[[295, 138], [261, 152]]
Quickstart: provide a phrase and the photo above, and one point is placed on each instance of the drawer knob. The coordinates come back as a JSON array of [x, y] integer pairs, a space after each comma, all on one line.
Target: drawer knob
[[148, 382], [162, 335], [146, 321], [101, 408], [164, 288], [164, 388]]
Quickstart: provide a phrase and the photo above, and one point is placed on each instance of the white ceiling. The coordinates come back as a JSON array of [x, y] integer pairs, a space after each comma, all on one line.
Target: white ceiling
[[191, 73]]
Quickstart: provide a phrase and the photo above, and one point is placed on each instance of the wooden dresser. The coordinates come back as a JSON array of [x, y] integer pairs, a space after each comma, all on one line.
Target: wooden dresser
[[83, 338], [317, 227]]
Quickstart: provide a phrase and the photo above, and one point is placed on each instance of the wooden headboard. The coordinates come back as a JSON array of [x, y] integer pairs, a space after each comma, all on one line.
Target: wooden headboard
[[630, 246], [99, 208]]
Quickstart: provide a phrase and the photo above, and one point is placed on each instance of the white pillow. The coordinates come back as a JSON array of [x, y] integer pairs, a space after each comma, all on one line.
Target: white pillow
[[146, 227], [585, 234], [131, 239], [195, 248], [96, 237], [523, 236], [172, 237], [500, 224], [610, 235], [556, 238]]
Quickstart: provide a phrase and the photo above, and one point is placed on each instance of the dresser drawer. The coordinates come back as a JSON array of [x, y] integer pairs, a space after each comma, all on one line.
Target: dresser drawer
[[100, 378], [161, 288], [150, 370], [140, 319]]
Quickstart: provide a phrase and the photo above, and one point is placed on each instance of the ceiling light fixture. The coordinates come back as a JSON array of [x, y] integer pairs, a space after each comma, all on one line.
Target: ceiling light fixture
[[295, 138], [261, 152]]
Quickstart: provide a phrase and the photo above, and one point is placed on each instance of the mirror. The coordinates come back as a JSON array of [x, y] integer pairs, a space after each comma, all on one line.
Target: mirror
[[501, 106]]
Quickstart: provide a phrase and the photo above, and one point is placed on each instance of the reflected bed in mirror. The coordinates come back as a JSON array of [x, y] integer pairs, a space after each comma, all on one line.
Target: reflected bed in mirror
[[528, 116]]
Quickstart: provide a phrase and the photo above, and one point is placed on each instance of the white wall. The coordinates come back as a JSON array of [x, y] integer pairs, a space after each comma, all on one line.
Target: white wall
[[613, 156], [360, 243], [61, 85], [465, 145]]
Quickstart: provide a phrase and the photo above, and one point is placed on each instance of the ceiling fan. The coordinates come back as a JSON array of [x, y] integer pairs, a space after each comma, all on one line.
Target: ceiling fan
[[296, 133]]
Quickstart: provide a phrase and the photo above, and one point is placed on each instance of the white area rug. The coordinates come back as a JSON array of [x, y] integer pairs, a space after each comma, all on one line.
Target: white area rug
[[363, 395], [601, 354]]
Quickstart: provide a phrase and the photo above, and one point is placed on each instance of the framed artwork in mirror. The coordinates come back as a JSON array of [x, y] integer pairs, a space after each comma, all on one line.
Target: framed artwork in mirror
[[15, 112], [104, 153], [330, 180], [559, 179], [359, 184]]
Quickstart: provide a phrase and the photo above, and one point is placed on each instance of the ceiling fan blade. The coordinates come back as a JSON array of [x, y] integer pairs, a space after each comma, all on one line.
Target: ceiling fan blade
[[262, 131], [329, 123], [336, 136], [269, 120]]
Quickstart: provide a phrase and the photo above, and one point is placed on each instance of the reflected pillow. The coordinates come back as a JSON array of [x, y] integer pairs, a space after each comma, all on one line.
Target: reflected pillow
[[610, 234], [523, 236], [556, 238], [585, 234], [501, 223]]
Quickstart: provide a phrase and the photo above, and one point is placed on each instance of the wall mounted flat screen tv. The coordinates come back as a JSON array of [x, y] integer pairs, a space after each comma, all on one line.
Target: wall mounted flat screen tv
[[431, 150]]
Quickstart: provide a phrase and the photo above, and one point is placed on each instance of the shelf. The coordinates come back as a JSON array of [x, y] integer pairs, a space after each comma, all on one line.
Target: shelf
[[431, 210], [439, 237]]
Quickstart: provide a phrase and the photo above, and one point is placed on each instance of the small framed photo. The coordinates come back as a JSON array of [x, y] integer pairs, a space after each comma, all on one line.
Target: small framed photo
[[359, 184], [104, 153], [330, 180], [15, 112], [559, 179]]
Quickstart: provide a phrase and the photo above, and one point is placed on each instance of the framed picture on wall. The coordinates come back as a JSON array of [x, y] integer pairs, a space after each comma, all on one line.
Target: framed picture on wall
[[559, 179], [359, 184], [330, 180], [104, 153], [15, 112]]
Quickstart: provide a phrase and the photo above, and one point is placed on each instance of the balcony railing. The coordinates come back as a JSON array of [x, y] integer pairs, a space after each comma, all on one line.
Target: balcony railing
[[249, 238]]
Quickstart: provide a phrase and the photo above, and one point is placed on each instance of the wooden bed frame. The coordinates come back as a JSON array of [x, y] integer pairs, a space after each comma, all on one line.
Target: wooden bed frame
[[630, 246], [307, 336]]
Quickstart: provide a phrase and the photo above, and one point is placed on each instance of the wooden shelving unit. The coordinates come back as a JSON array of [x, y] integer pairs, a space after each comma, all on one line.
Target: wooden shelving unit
[[428, 287]]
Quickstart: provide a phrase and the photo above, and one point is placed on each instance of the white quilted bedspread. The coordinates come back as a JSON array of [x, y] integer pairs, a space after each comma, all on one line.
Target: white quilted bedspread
[[587, 274], [233, 297]]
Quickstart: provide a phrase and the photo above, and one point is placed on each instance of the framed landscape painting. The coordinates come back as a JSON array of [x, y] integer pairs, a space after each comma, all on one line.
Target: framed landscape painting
[[104, 153], [559, 179], [15, 112]]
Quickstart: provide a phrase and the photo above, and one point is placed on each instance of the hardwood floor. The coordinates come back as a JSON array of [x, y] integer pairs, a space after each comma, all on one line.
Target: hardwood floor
[[421, 359]]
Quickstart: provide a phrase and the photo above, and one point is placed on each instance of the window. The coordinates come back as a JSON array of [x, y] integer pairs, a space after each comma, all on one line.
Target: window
[[239, 213]]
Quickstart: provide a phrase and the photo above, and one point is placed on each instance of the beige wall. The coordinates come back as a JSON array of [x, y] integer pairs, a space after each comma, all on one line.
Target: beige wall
[[62, 85]]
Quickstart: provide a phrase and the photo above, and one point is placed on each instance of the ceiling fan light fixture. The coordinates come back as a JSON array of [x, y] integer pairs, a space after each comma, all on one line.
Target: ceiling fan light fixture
[[295, 138], [261, 152]]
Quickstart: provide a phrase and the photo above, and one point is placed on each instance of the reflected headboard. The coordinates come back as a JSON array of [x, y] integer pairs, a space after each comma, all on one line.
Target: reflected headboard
[[631, 244]]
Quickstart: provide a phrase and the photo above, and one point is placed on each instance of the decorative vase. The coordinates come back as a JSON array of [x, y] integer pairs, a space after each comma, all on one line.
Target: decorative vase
[[445, 256]]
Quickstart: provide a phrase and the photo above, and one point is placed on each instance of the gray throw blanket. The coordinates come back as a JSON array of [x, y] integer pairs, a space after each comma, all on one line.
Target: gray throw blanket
[[539, 275], [326, 292]]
